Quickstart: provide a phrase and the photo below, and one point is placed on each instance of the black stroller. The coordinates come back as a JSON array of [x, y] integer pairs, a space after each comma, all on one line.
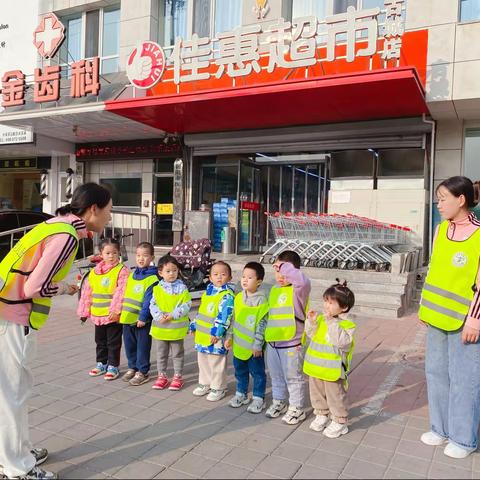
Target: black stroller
[[194, 257]]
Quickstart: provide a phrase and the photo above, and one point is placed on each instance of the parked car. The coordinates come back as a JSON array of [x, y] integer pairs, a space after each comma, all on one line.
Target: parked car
[[12, 219]]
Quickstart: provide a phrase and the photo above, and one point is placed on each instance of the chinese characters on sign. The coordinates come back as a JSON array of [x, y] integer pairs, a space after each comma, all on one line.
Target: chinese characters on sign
[[289, 44]]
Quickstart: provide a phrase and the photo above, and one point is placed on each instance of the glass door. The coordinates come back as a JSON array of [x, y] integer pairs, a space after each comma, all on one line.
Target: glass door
[[251, 224], [163, 210]]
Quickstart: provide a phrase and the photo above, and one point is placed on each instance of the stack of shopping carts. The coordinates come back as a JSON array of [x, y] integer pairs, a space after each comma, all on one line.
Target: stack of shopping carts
[[335, 241]]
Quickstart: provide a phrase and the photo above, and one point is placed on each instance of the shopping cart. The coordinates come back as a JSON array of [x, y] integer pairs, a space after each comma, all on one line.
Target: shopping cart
[[335, 241]]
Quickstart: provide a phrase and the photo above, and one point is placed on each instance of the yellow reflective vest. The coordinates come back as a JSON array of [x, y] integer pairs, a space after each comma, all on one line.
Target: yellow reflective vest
[[176, 329], [207, 313], [103, 288], [133, 298], [281, 324], [322, 359], [9, 271], [244, 326], [452, 274]]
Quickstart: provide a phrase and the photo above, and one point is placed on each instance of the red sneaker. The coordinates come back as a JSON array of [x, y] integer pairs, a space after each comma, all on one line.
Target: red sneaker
[[177, 383], [161, 383]]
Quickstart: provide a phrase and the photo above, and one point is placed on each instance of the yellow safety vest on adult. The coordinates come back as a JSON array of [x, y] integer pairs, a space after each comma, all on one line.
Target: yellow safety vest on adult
[[447, 292], [24, 247], [133, 297], [322, 359], [246, 321], [205, 319], [175, 329], [281, 324], [103, 288]]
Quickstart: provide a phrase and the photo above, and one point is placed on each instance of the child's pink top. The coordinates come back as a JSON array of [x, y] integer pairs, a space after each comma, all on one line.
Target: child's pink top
[[85, 302], [459, 231], [43, 263]]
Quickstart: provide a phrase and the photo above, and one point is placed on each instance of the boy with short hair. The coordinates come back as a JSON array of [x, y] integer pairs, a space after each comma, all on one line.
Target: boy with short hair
[[247, 335], [288, 302]]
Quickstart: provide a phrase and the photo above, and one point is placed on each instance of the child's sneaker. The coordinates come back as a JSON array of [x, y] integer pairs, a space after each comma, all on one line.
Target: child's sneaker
[[319, 423], [257, 405], [201, 390], [112, 373], [161, 383], [177, 383], [128, 375], [294, 416], [433, 439], [276, 409], [238, 400], [139, 379], [335, 430], [215, 395], [100, 369]]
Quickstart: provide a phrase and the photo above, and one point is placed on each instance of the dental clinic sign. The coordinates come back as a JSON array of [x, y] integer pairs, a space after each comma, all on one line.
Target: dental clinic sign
[[285, 44]]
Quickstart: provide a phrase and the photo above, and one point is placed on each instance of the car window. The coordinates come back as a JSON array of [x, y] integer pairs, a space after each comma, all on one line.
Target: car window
[[31, 218], [8, 221]]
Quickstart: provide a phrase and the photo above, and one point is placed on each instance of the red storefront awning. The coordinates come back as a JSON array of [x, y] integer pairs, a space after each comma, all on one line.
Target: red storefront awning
[[372, 95]]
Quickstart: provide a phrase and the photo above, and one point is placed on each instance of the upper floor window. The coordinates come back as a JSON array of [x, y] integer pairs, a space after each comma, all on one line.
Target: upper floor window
[[91, 34], [469, 10], [175, 13]]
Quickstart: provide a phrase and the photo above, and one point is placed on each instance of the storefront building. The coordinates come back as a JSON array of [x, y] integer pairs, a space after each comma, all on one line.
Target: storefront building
[[345, 106]]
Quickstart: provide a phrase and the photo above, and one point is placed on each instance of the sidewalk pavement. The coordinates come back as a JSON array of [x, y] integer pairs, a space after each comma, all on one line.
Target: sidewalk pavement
[[99, 429]]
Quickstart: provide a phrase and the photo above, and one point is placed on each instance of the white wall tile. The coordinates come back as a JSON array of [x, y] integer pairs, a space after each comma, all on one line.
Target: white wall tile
[[467, 44], [466, 82], [120, 166], [441, 44], [106, 167], [439, 82], [423, 13], [449, 134], [447, 163]]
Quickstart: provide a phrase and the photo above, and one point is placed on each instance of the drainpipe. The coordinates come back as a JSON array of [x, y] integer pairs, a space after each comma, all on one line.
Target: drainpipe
[[433, 124]]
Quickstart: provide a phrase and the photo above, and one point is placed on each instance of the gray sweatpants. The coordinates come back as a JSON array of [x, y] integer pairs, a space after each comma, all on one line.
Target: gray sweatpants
[[175, 348], [289, 383]]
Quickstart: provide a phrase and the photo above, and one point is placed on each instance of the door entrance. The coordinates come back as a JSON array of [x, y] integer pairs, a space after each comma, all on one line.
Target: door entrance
[[163, 210]]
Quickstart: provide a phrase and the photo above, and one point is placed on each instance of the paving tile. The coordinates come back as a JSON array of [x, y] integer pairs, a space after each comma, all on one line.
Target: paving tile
[[279, 467], [260, 475], [307, 471], [57, 424], [103, 419], [193, 464], [37, 436], [361, 469], [225, 470], [312, 439], [415, 449], [293, 451], [337, 446], [163, 455], [79, 453], [81, 413], [81, 431], [412, 434], [139, 470], [440, 457], [212, 449], [57, 443], [419, 422], [109, 463], [400, 474], [442, 470], [388, 429], [230, 437], [133, 448], [244, 457], [328, 460], [79, 473], [106, 439], [373, 455], [275, 429], [182, 440], [383, 442], [59, 407], [37, 417], [410, 464], [170, 473], [261, 443]]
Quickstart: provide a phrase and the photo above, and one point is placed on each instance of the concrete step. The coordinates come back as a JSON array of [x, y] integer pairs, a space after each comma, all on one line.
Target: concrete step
[[360, 311]]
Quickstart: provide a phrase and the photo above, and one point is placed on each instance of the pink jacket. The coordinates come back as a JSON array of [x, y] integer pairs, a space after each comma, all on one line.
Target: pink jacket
[[43, 263], [85, 303]]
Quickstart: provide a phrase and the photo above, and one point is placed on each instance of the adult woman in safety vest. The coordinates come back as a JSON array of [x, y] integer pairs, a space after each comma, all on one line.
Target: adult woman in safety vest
[[30, 275], [450, 306]]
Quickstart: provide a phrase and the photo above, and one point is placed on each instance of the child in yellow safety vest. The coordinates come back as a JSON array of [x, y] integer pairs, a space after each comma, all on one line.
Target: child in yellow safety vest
[[136, 318], [328, 358], [247, 335], [210, 326], [101, 301], [170, 304]]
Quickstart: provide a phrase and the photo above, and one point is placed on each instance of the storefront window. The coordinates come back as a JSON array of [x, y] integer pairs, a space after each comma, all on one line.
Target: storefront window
[[471, 168], [313, 182], [111, 40], [126, 192], [299, 189], [175, 20], [469, 10], [286, 195]]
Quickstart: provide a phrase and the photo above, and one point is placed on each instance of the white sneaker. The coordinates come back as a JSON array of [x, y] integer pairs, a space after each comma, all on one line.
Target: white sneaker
[[454, 451], [201, 390], [335, 430], [257, 405], [433, 439], [276, 409], [215, 395], [319, 423], [294, 416], [238, 400]]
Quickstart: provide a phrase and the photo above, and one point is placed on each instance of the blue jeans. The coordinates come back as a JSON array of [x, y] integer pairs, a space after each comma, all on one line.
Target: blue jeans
[[138, 344], [254, 366], [452, 369]]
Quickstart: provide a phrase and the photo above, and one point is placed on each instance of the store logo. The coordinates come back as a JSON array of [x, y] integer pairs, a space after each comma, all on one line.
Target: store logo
[[105, 282], [459, 260], [145, 65], [138, 288], [49, 35], [282, 299], [251, 319], [261, 8], [211, 307]]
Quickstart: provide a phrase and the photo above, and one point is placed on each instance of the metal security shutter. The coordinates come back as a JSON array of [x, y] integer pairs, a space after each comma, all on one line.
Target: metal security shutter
[[395, 133]]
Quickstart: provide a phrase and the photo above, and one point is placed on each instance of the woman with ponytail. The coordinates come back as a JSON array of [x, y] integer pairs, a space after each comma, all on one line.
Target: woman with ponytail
[[30, 275]]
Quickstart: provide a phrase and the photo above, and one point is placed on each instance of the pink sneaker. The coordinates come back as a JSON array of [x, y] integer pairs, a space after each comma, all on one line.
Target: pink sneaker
[[177, 383], [161, 383]]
